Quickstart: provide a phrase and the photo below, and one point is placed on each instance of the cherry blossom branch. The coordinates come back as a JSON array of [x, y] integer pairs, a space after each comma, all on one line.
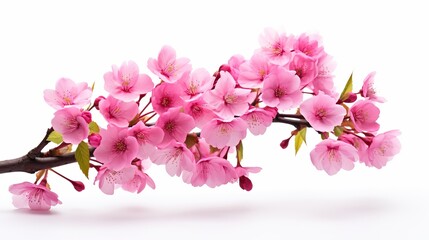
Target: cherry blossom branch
[[297, 123]]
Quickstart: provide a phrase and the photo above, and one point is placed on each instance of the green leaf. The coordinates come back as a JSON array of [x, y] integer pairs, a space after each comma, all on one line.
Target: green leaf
[[93, 86], [239, 149], [82, 157], [338, 130], [299, 138], [93, 127], [55, 137], [347, 89]]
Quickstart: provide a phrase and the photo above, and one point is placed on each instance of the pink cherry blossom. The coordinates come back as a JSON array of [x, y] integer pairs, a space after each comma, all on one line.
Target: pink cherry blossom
[[94, 139], [197, 83], [233, 66], [305, 68], [277, 47], [126, 83], [220, 133], [324, 80], [254, 71], [368, 90], [138, 182], [258, 120], [322, 112], [331, 156], [211, 171], [226, 100], [68, 93], [147, 137], [71, 124], [167, 67], [281, 89], [243, 179], [383, 148], [309, 45], [199, 110], [360, 146], [110, 179], [175, 125], [364, 115], [33, 196], [176, 157], [166, 96], [117, 148], [118, 112]]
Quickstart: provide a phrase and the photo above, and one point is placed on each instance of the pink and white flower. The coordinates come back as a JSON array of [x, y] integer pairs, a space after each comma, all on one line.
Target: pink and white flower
[[211, 171], [199, 110], [309, 46], [118, 112], [68, 93], [259, 119], [331, 156], [255, 71], [71, 124], [175, 124], [322, 112], [220, 133], [368, 90], [324, 80], [226, 100], [110, 179], [360, 146], [198, 82], [117, 148], [364, 115], [281, 89], [126, 83], [305, 68], [166, 96], [176, 157], [147, 137], [383, 148], [33, 196], [277, 47], [138, 182], [167, 67]]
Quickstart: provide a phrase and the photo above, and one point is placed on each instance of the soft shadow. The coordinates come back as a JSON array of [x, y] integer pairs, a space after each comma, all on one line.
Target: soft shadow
[[24, 211]]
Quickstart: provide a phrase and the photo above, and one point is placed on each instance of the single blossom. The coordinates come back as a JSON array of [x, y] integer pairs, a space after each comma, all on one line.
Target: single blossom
[[243, 176], [72, 125], [175, 124], [368, 90], [198, 82], [305, 68], [255, 71], [68, 93], [117, 148], [211, 171], [309, 46], [360, 146], [176, 157], [166, 96], [322, 112], [331, 156], [138, 182], [383, 148], [118, 112], [219, 133], [277, 47], [259, 119], [199, 110], [167, 67], [324, 80], [226, 100], [233, 66], [33, 196], [147, 137], [109, 180], [126, 83], [364, 115], [281, 89]]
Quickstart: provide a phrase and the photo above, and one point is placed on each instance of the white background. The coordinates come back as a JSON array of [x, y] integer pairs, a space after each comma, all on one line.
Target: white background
[[42, 41]]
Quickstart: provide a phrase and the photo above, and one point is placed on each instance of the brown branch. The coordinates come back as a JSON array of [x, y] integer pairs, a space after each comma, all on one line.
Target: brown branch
[[297, 123]]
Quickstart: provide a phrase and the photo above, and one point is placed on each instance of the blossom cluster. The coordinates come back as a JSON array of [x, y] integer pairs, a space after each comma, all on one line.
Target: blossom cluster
[[194, 122]]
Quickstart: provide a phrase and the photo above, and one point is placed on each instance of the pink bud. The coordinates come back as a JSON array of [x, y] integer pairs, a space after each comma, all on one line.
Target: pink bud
[[94, 140], [97, 101], [351, 98], [245, 183], [225, 68], [79, 186], [87, 116], [284, 143]]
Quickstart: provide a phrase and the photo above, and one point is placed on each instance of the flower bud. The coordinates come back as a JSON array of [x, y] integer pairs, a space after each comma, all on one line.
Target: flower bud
[[94, 140], [87, 116], [284, 143], [97, 101], [245, 183], [351, 98]]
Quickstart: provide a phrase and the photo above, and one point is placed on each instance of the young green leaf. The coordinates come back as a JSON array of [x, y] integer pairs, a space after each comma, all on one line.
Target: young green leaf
[[55, 137], [338, 130], [299, 138], [239, 149], [82, 157], [347, 89], [93, 127]]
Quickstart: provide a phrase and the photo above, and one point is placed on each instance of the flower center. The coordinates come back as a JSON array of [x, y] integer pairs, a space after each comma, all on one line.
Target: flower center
[[279, 92], [321, 114], [165, 101], [169, 126], [120, 146], [230, 99]]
